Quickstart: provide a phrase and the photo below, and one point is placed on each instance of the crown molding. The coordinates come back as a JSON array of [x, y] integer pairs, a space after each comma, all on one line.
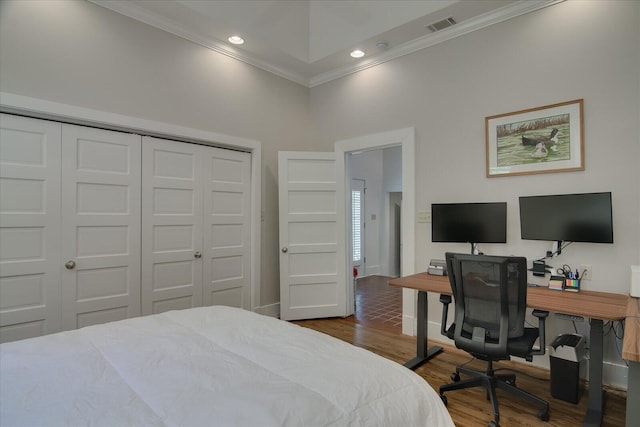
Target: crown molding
[[513, 10], [135, 12], [482, 21]]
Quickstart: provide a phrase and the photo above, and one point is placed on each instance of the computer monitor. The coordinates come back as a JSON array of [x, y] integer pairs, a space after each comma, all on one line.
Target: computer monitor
[[561, 218], [469, 223]]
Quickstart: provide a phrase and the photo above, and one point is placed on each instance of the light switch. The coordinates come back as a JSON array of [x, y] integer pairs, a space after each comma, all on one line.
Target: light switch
[[424, 216]]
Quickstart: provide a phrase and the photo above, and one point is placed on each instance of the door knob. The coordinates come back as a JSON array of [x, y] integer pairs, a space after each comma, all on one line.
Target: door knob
[[70, 265], [197, 255], [284, 250]]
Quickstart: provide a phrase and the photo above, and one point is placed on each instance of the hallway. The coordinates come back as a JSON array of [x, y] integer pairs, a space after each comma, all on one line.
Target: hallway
[[378, 305]]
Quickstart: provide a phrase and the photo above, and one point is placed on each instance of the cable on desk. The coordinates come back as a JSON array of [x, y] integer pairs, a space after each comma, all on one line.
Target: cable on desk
[[607, 327], [620, 323], [619, 338], [468, 361]]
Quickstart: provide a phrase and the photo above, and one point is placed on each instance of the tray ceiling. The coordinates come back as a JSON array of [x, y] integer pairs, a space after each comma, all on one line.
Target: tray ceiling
[[309, 41]]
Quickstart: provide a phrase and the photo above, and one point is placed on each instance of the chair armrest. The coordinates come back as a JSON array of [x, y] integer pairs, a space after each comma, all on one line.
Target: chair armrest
[[541, 315], [445, 300]]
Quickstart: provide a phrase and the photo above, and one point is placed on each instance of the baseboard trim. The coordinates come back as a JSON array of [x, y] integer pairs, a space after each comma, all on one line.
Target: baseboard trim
[[614, 375], [409, 325], [271, 310]]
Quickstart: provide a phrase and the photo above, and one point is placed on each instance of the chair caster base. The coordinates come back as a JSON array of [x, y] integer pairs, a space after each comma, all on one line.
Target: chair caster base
[[543, 414]]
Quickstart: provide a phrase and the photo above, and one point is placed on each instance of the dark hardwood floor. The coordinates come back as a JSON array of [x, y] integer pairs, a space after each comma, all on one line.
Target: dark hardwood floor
[[470, 407]]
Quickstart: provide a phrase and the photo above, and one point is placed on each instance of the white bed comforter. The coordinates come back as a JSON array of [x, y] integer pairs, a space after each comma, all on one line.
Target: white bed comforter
[[209, 366]]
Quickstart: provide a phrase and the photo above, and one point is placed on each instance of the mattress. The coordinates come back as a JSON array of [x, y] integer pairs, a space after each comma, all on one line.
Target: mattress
[[208, 366]]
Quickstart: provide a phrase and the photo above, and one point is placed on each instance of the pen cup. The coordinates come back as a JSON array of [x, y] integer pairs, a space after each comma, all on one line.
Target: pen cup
[[572, 285]]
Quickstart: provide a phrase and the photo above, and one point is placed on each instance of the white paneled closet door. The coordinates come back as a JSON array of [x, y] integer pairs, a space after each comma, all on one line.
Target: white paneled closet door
[[29, 227], [100, 226], [227, 228], [172, 248]]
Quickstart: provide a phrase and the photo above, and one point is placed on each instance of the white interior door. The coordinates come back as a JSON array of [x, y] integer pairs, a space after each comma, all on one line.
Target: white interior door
[[171, 225], [29, 227], [227, 228], [312, 236], [100, 226]]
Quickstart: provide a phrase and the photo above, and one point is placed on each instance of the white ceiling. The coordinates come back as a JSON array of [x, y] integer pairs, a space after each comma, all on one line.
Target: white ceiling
[[309, 41]]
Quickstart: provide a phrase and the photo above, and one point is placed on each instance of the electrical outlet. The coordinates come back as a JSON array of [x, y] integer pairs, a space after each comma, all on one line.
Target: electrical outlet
[[585, 271]]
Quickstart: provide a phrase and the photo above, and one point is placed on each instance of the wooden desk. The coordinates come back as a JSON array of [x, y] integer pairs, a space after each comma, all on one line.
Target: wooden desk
[[631, 352], [598, 306], [631, 343]]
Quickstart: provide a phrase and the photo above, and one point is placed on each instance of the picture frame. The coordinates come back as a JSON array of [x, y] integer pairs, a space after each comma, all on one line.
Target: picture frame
[[537, 140]]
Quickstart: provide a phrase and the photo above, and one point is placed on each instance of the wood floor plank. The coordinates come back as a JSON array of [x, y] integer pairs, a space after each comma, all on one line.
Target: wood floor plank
[[469, 408]]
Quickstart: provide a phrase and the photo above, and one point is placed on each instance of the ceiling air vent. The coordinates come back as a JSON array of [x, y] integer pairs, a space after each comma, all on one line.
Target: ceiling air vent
[[441, 25]]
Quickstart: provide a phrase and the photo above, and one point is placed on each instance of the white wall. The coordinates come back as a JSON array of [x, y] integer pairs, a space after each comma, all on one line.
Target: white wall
[[391, 196], [392, 169], [575, 49], [77, 53]]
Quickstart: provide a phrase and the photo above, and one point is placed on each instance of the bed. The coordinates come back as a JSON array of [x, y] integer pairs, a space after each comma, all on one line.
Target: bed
[[207, 366]]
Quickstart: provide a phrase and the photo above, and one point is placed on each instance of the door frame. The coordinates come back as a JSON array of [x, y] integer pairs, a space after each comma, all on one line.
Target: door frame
[[404, 137], [49, 110]]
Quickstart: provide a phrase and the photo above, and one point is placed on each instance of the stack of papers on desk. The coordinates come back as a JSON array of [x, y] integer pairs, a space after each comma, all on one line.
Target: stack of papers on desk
[[556, 282]]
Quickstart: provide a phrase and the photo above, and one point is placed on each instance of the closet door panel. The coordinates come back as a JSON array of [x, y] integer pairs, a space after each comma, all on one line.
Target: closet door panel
[[171, 225], [100, 225], [228, 232], [29, 227]]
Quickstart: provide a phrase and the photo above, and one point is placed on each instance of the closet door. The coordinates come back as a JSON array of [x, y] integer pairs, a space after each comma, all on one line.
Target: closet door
[[29, 227], [100, 226], [227, 228], [171, 225]]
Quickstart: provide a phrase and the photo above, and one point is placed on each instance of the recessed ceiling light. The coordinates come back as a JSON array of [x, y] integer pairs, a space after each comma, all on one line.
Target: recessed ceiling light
[[357, 53], [236, 40]]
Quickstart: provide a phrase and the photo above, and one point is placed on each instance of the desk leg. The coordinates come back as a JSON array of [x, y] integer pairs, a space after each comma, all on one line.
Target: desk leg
[[596, 394], [422, 353]]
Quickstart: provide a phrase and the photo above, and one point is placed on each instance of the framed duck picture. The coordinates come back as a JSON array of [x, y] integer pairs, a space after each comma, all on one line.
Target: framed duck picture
[[538, 140]]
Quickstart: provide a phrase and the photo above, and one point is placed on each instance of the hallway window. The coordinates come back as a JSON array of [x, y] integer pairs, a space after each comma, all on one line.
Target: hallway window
[[356, 225]]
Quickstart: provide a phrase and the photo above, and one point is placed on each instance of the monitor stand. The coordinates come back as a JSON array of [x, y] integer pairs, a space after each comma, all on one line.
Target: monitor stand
[[557, 248], [474, 249]]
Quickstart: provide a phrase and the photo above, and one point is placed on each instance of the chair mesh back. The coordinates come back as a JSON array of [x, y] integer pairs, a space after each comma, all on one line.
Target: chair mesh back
[[480, 286], [517, 279], [480, 279]]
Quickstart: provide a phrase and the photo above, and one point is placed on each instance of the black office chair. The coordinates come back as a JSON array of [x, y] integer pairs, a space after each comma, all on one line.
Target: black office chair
[[490, 294]]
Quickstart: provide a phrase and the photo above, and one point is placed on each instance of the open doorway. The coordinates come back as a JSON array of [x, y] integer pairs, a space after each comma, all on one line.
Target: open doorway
[[405, 138], [327, 184], [376, 200], [395, 232]]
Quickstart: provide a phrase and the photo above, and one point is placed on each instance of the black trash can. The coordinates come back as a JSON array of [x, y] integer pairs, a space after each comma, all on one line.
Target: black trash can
[[565, 355]]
